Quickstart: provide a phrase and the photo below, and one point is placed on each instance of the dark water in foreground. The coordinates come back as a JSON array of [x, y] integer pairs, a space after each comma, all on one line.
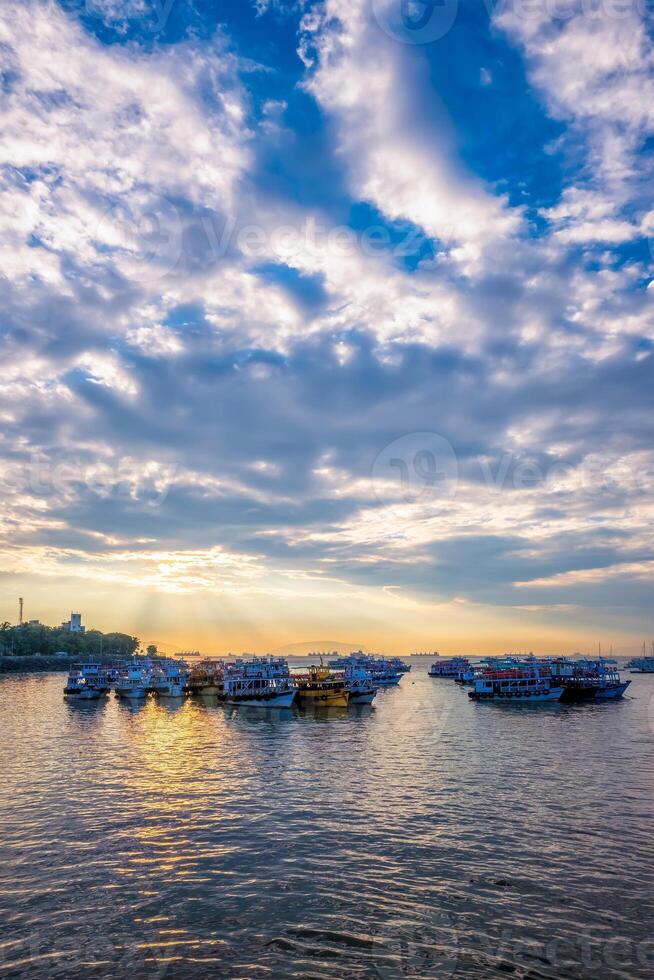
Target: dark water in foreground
[[427, 837]]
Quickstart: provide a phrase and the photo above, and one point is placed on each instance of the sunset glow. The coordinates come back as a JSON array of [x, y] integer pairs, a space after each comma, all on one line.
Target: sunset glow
[[317, 332]]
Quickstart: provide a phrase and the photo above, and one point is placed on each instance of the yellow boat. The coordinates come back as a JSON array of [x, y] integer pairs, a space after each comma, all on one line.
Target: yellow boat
[[321, 688], [206, 678]]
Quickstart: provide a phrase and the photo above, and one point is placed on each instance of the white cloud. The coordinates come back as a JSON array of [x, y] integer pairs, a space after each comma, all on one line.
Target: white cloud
[[106, 138], [595, 69], [113, 159], [363, 80]]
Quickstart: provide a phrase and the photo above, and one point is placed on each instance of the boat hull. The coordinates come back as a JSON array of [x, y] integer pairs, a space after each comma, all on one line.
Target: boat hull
[[272, 700], [171, 691], [554, 694], [323, 699], [209, 691], [388, 681], [610, 693], [132, 693], [362, 697], [572, 695], [86, 695]]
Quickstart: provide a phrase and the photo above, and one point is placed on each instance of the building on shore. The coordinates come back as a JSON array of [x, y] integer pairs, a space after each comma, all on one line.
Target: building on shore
[[74, 624]]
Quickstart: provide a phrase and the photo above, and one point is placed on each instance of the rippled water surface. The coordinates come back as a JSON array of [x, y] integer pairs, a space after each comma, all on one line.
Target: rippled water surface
[[427, 836]]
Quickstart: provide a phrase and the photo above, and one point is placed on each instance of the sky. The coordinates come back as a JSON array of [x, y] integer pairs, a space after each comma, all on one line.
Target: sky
[[329, 321]]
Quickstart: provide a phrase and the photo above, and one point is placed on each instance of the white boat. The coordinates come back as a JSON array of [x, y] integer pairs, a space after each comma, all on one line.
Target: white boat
[[449, 668], [529, 683], [263, 682], [385, 673], [644, 664], [468, 676], [605, 674], [169, 679], [611, 691], [134, 683], [356, 659], [360, 684], [87, 682]]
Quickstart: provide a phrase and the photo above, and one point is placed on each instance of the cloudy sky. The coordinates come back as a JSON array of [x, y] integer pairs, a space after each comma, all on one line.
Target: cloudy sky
[[329, 321]]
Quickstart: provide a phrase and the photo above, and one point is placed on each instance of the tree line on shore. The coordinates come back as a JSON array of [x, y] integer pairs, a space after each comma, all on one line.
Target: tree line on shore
[[37, 640]]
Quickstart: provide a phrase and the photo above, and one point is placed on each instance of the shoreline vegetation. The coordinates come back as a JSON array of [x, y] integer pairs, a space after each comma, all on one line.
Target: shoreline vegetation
[[36, 664], [35, 647]]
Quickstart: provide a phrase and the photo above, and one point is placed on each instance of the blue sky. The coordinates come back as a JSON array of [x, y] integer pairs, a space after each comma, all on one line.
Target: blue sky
[[329, 320]]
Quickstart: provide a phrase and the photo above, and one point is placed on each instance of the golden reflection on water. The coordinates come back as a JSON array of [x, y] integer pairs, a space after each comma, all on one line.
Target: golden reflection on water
[[172, 748], [231, 842]]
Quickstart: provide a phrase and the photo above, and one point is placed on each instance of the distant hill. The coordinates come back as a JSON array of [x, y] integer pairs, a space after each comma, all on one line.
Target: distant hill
[[316, 646]]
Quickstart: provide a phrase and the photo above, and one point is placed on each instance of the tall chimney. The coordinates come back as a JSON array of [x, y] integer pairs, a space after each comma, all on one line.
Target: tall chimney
[[20, 612]]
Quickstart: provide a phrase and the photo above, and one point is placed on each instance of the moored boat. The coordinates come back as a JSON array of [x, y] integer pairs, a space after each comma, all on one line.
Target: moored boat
[[578, 689], [320, 687], [578, 681], [385, 673], [449, 668], [169, 679], [610, 685], [644, 664], [134, 682], [206, 679], [360, 685], [530, 683], [87, 682], [261, 682]]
